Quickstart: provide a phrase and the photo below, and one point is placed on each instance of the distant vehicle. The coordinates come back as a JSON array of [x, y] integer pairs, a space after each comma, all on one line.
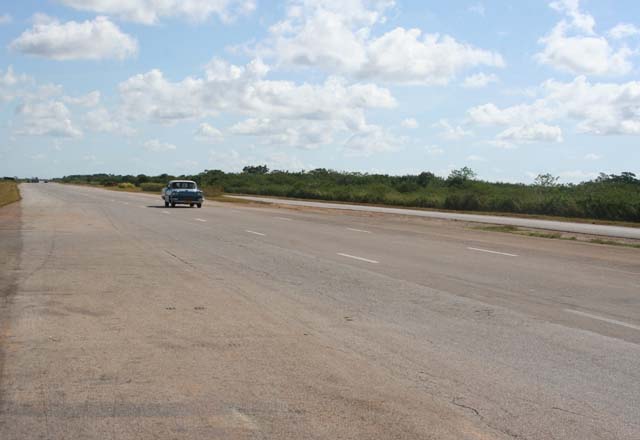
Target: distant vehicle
[[182, 192]]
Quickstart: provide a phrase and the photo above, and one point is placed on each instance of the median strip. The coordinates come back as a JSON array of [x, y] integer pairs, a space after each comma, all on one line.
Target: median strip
[[491, 252], [358, 258]]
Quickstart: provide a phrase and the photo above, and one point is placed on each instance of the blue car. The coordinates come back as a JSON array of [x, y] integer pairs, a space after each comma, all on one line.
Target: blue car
[[182, 192]]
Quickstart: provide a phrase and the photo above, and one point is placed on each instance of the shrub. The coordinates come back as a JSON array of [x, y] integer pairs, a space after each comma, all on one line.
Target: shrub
[[126, 185], [151, 186]]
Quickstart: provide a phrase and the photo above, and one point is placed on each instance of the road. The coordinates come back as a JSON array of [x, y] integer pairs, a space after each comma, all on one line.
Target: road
[[552, 225], [122, 319]]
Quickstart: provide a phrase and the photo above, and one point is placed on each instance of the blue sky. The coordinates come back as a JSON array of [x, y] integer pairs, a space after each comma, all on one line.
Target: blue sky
[[511, 89]]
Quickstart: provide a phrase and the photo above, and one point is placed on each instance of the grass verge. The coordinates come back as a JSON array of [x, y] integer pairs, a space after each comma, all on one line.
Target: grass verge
[[9, 192]]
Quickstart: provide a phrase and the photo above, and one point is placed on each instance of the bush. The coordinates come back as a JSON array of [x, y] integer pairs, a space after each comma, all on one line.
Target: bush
[[151, 186], [126, 185]]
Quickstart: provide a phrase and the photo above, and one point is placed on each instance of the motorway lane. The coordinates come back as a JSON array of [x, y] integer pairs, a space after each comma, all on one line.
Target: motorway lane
[[185, 316]]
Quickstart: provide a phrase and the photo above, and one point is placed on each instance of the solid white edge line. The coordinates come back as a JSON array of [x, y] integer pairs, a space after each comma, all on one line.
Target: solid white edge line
[[359, 230], [166, 212], [602, 318], [358, 258], [491, 252], [256, 233], [283, 218], [200, 220]]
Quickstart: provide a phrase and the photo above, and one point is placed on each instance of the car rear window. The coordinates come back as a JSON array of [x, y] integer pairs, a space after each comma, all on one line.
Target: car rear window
[[183, 185]]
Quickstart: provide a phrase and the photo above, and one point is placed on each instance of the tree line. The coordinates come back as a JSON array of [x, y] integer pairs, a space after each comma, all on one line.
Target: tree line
[[607, 197]]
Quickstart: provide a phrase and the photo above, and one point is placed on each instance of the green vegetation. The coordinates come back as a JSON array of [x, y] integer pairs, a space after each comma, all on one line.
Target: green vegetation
[[9, 192], [610, 197], [151, 186]]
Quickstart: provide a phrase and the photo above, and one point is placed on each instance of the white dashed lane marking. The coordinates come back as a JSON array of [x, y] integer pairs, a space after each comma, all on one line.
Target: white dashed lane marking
[[358, 258], [602, 318], [491, 252]]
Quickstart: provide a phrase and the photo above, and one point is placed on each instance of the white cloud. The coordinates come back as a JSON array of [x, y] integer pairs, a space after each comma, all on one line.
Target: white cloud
[[87, 40], [623, 30], [337, 36], [156, 146], [104, 121], [46, 118], [208, 133], [451, 132], [592, 156], [530, 133], [9, 84], [479, 80], [410, 123], [151, 11], [476, 158], [597, 108], [573, 46], [5, 19], [305, 134], [91, 99], [280, 112]]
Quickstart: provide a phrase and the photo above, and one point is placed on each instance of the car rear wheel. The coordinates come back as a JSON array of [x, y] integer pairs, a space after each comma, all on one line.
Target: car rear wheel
[[166, 204], [190, 205], [199, 205], [173, 205]]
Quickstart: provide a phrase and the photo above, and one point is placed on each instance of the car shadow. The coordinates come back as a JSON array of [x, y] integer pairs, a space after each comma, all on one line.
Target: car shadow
[[169, 207]]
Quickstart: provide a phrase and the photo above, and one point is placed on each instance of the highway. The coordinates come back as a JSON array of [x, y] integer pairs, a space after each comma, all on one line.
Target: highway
[[552, 225], [123, 319]]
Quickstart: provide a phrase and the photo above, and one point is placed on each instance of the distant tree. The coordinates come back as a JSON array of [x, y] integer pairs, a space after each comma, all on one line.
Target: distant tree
[[461, 176], [546, 180], [258, 169], [425, 178]]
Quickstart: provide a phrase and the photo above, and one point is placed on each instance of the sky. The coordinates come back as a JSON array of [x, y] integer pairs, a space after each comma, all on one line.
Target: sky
[[510, 89]]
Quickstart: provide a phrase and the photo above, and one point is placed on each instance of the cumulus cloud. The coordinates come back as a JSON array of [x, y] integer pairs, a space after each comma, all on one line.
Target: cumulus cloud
[[208, 133], [573, 46], [592, 156], [304, 115], [530, 133], [88, 40], [91, 99], [151, 11], [5, 19], [156, 146], [102, 120], [410, 123], [10, 82], [479, 80], [451, 132], [596, 108], [46, 118], [623, 30], [336, 36]]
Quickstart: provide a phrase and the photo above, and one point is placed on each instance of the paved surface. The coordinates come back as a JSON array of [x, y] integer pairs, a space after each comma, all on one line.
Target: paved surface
[[126, 320], [579, 228]]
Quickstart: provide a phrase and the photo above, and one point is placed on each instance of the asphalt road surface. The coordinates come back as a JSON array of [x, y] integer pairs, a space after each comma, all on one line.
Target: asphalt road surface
[[122, 319], [579, 228]]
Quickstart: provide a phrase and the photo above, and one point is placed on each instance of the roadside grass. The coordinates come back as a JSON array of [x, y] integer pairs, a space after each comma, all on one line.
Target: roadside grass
[[9, 192], [554, 235]]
